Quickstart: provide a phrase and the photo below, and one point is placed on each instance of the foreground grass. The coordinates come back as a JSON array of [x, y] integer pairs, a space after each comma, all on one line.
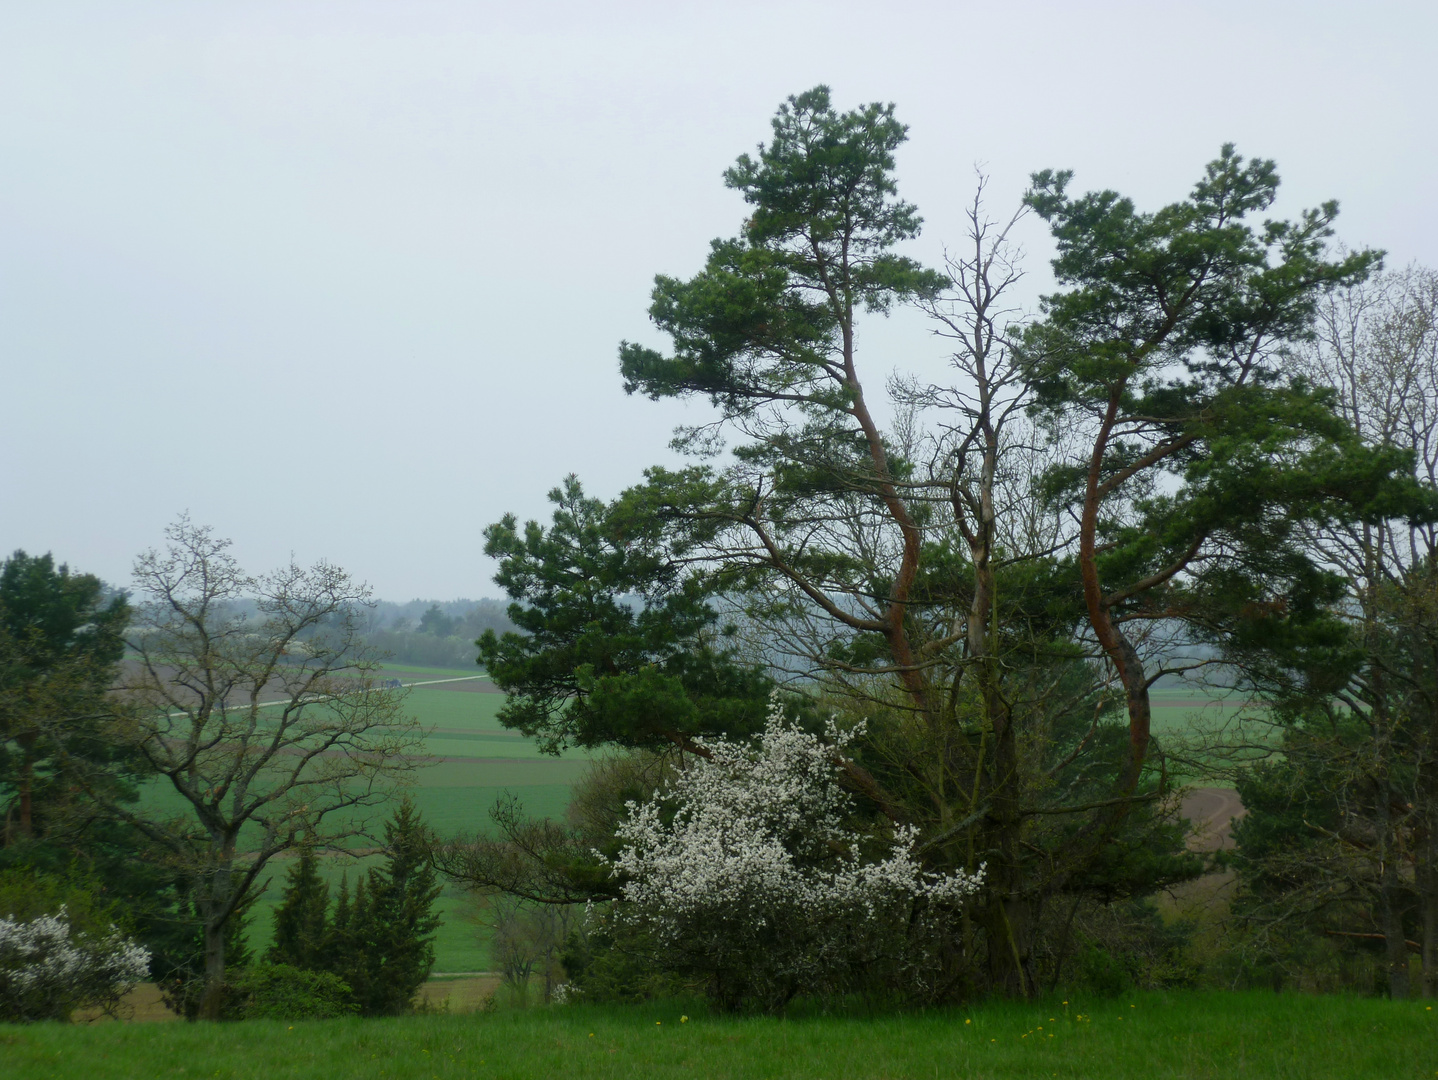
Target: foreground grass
[[1230, 1036]]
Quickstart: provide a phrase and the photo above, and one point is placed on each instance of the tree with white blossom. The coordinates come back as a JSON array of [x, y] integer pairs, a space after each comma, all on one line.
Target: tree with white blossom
[[748, 871], [48, 969]]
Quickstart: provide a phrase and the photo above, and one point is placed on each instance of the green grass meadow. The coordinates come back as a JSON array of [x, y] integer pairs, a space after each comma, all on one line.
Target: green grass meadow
[[1232, 1036]]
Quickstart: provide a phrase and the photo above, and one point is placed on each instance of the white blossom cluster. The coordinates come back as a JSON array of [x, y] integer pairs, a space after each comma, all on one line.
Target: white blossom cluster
[[566, 993], [47, 969], [750, 849]]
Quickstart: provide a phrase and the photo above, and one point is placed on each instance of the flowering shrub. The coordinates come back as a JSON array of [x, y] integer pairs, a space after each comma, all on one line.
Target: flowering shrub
[[566, 993], [47, 970], [747, 872]]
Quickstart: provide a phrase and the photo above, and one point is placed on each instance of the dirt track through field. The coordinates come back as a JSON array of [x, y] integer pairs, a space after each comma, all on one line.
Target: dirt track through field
[[467, 684], [1212, 812]]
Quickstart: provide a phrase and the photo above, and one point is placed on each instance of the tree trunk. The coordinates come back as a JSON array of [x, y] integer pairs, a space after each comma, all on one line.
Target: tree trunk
[[1111, 639], [1007, 919], [1009, 932], [1395, 944], [1009, 910], [1428, 898], [26, 741], [214, 995], [217, 911]]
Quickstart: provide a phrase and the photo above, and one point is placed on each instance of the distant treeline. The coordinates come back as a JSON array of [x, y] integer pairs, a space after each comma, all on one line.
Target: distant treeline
[[435, 633]]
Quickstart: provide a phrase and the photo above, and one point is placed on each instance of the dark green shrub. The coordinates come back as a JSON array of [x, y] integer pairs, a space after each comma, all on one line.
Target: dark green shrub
[[281, 992], [613, 962], [1103, 974], [1128, 945]]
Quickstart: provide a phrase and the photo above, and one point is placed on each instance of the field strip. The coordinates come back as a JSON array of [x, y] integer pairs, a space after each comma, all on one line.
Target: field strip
[[466, 759], [315, 698]]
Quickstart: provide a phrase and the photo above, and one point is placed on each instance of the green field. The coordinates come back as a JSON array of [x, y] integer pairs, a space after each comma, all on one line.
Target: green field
[[475, 761], [1194, 1036], [1190, 721], [1177, 709]]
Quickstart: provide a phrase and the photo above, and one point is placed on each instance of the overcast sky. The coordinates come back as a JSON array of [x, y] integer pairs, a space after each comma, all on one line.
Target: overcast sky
[[348, 279]]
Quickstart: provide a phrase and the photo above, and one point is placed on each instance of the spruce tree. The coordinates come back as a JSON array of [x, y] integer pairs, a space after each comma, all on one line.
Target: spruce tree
[[382, 943], [340, 923], [347, 942], [302, 920]]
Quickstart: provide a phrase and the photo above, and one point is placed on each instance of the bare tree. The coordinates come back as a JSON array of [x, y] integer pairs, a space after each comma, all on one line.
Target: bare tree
[[269, 728], [1377, 346], [526, 939]]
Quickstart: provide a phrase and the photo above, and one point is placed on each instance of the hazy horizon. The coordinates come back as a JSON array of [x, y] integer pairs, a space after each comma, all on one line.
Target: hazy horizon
[[347, 280]]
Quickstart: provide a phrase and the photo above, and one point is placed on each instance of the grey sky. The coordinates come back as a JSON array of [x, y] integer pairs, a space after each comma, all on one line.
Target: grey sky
[[348, 279]]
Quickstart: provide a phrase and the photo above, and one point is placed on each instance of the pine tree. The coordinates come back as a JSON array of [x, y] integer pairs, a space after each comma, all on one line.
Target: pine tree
[[302, 920]]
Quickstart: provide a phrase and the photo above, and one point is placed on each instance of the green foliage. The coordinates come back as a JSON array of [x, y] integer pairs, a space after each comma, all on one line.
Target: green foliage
[[1177, 317], [60, 648], [1192, 284], [765, 317], [1206, 456], [60, 644], [622, 641], [1103, 974], [272, 991], [767, 332], [1309, 861], [1127, 945], [27, 894], [51, 616], [437, 623], [301, 921], [617, 646], [382, 942]]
